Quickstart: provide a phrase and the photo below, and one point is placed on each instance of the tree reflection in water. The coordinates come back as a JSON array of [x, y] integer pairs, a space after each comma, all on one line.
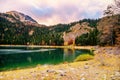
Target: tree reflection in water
[[69, 54]]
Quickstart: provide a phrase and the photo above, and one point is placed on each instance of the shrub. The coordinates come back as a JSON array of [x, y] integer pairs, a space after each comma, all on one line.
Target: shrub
[[84, 57]]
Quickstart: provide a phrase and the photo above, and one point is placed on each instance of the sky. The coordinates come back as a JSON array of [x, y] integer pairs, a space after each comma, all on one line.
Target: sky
[[51, 12]]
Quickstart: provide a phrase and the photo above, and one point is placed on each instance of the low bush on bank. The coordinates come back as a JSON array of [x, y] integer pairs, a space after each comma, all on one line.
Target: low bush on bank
[[84, 57]]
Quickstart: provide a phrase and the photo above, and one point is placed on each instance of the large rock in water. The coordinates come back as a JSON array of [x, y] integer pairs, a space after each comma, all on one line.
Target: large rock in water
[[109, 28]]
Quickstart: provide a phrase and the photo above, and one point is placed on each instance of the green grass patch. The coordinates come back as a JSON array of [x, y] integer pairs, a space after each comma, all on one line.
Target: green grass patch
[[84, 57]]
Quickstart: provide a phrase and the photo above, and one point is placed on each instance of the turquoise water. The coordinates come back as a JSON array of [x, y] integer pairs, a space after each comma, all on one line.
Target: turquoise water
[[22, 57]]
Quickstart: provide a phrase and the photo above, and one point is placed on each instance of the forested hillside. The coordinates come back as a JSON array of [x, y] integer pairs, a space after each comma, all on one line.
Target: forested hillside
[[14, 31], [19, 30]]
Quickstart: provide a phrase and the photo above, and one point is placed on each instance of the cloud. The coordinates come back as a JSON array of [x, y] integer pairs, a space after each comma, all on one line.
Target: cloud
[[51, 12]]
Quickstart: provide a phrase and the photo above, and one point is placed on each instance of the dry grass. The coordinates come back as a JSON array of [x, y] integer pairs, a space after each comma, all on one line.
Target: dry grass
[[109, 60]]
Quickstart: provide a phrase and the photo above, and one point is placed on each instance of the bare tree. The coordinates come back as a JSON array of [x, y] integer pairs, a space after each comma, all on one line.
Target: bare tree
[[117, 6], [113, 8], [117, 3], [109, 11]]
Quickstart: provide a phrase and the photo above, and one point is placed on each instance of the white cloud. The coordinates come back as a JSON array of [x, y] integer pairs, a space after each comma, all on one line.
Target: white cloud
[[56, 11]]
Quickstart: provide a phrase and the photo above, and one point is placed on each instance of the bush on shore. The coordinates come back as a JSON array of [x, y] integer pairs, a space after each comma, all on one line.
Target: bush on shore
[[84, 57]]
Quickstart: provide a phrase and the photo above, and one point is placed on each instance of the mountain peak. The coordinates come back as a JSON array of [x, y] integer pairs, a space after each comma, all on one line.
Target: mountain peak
[[21, 17]]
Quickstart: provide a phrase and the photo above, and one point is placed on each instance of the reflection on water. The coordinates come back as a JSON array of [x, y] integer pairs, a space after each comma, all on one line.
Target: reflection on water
[[69, 54], [14, 51], [27, 57]]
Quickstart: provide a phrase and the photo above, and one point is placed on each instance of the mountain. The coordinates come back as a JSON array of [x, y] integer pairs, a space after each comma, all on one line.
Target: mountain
[[21, 17], [17, 17]]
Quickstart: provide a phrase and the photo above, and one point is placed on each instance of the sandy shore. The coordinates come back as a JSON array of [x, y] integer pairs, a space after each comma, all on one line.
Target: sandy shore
[[104, 66]]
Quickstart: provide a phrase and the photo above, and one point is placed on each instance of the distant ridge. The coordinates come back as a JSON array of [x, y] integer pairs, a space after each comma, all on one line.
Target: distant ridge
[[21, 17]]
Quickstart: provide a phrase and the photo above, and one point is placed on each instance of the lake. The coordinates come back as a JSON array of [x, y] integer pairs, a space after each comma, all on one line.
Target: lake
[[24, 57]]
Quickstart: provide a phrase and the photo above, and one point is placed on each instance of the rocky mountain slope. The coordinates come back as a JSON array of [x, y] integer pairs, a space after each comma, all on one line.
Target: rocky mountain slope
[[76, 31], [20, 16], [109, 28]]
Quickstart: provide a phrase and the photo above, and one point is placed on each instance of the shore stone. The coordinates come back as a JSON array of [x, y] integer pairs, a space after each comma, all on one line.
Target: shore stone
[[86, 66], [1, 77], [82, 75], [117, 74], [50, 71], [46, 75], [113, 78], [83, 78], [61, 72], [96, 73], [42, 78]]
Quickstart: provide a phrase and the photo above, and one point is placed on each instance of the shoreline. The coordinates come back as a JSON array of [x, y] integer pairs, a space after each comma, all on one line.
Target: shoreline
[[47, 46], [94, 48]]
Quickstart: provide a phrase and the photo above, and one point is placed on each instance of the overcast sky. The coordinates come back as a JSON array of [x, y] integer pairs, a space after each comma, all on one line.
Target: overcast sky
[[51, 12]]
